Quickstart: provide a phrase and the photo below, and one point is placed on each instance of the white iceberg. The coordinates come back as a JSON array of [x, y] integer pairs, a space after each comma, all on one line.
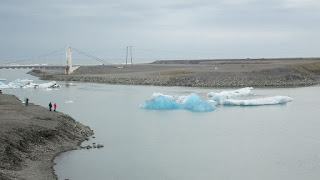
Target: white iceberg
[[218, 97], [23, 80], [3, 85], [51, 84], [257, 102], [14, 84], [27, 83], [30, 85], [18, 83]]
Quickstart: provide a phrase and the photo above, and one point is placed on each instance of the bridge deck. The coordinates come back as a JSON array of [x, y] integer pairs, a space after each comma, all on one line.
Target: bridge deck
[[31, 67]]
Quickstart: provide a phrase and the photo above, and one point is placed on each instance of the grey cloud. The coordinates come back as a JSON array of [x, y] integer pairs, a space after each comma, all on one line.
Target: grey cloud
[[236, 28]]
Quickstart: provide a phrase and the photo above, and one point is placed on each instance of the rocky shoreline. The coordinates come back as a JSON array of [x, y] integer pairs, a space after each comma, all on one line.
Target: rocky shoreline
[[199, 73], [32, 136]]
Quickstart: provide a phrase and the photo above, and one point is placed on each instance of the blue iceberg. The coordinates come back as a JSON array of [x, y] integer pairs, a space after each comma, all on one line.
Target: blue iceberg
[[160, 103], [192, 102]]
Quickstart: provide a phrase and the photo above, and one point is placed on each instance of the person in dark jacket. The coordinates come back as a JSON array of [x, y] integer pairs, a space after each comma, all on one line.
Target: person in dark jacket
[[50, 106], [27, 102]]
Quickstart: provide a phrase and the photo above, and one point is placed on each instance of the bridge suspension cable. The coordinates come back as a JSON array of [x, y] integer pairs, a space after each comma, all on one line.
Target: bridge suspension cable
[[91, 56], [38, 57]]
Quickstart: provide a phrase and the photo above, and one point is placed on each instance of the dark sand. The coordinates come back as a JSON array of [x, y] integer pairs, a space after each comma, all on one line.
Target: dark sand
[[199, 73], [31, 136]]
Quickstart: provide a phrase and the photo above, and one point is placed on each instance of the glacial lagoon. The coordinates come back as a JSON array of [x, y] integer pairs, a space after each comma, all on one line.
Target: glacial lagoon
[[230, 142]]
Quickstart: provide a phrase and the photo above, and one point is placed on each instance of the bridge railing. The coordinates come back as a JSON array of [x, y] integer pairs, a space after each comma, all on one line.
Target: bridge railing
[[32, 66]]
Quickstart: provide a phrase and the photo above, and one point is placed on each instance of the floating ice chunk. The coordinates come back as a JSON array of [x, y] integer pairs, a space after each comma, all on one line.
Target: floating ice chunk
[[3, 85], [23, 80], [15, 84], [257, 102], [218, 97], [27, 83], [51, 84], [19, 83], [69, 101], [178, 99], [30, 85], [192, 102], [159, 101], [156, 95], [213, 102]]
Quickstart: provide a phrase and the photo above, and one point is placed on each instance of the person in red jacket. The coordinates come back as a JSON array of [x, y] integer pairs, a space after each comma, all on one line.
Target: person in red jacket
[[55, 106]]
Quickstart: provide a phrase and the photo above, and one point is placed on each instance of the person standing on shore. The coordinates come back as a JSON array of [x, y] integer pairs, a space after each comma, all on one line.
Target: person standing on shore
[[50, 106], [55, 106], [27, 101]]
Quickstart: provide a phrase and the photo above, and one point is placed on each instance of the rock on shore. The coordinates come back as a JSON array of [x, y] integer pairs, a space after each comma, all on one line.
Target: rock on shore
[[31, 136]]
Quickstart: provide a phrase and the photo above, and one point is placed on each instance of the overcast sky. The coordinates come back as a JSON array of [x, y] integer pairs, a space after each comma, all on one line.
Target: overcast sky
[[166, 29]]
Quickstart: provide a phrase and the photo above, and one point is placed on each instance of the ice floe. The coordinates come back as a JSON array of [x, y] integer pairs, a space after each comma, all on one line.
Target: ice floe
[[257, 102], [3, 85], [27, 83], [193, 102], [230, 94]]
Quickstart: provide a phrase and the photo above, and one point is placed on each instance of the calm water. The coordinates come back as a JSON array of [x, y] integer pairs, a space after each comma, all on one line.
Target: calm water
[[266, 142]]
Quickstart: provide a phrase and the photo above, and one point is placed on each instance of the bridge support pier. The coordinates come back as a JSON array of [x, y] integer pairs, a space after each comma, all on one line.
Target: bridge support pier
[[69, 68]]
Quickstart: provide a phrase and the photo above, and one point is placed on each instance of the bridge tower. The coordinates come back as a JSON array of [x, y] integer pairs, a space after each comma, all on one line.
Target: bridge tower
[[69, 68]]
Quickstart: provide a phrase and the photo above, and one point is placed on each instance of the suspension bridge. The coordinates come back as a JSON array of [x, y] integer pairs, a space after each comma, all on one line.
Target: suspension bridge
[[50, 61]]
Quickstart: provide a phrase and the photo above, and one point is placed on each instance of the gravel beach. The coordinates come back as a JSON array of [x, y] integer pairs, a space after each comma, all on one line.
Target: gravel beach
[[199, 73], [32, 136]]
